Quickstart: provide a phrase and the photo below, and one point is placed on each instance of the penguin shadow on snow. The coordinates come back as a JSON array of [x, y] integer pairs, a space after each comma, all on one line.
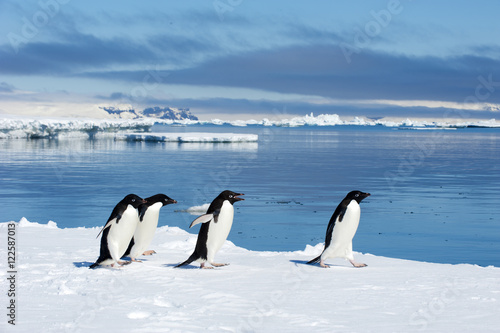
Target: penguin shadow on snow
[[129, 259], [306, 263], [87, 264], [299, 262], [185, 267], [79, 264]]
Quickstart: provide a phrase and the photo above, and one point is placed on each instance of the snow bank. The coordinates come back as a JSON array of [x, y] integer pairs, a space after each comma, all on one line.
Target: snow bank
[[188, 137], [258, 292], [12, 128]]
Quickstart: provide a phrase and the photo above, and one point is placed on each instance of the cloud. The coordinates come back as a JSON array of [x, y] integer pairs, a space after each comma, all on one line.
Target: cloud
[[278, 109], [296, 59], [322, 70], [6, 88]]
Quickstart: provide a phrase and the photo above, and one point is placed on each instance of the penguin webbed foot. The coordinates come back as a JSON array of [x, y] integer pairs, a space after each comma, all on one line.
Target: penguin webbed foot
[[123, 263], [322, 264], [214, 264], [357, 264], [218, 265], [135, 260], [149, 252]]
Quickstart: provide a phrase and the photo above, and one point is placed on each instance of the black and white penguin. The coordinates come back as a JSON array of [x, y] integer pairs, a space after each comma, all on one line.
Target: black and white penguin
[[149, 213], [341, 230], [118, 231], [213, 233]]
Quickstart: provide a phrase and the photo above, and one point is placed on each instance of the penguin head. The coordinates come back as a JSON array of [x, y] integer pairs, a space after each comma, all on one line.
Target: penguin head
[[133, 200], [357, 195], [165, 200], [231, 196]]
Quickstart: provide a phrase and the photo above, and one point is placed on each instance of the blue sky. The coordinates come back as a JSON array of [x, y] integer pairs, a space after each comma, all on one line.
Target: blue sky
[[235, 57]]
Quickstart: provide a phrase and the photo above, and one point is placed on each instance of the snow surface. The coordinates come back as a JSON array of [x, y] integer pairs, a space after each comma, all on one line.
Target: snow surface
[[188, 137], [258, 292], [23, 127]]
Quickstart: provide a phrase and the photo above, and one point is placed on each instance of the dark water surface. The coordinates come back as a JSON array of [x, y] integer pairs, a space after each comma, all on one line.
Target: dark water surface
[[435, 193]]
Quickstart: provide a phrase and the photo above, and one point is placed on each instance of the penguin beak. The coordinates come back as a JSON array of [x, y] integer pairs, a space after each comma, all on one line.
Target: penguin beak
[[236, 197], [171, 201]]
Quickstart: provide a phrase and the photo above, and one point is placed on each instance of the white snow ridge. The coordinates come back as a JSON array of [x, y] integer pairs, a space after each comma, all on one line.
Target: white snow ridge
[[258, 292], [16, 127]]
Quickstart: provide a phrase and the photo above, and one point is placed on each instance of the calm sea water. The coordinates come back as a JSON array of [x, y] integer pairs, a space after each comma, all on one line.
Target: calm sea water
[[435, 194]]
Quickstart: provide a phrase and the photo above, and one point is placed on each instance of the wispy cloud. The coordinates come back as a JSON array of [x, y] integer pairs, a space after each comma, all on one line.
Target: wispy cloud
[[321, 70]]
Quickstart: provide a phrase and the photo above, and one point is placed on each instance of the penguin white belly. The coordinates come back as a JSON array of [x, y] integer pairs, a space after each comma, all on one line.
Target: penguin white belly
[[145, 230], [218, 232], [343, 233], [121, 233]]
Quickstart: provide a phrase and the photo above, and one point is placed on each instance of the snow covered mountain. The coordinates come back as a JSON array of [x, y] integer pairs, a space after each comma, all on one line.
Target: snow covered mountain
[[157, 112]]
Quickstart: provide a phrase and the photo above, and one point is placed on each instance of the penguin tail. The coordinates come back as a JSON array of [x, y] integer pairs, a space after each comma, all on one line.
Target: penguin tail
[[94, 265], [192, 258], [315, 260], [97, 262]]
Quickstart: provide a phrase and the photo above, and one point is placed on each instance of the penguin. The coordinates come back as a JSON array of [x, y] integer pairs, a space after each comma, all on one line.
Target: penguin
[[216, 224], [118, 231], [341, 229], [149, 213]]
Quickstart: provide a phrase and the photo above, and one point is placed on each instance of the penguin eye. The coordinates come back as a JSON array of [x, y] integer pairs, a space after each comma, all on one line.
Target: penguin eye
[[230, 196], [133, 200], [356, 195]]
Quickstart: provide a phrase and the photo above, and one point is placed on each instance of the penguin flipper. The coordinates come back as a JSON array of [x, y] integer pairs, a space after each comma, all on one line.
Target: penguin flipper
[[202, 219], [342, 212], [142, 211], [108, 224]]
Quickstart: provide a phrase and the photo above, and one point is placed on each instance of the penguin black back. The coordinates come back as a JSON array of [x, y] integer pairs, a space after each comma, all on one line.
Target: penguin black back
[[143, 208], [201, 251], [340, 211], [164, 199], [338, 214], [131, 199]]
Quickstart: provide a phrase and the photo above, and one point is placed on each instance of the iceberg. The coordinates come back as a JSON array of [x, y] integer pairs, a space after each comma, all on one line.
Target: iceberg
[[139, 129]]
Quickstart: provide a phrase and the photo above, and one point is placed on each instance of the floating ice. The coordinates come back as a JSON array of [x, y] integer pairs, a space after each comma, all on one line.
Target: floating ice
[[188, 137], [12, 128]]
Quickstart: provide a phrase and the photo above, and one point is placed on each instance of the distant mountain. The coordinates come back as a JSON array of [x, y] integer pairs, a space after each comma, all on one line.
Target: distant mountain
[[158, 112], [168, 113]]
